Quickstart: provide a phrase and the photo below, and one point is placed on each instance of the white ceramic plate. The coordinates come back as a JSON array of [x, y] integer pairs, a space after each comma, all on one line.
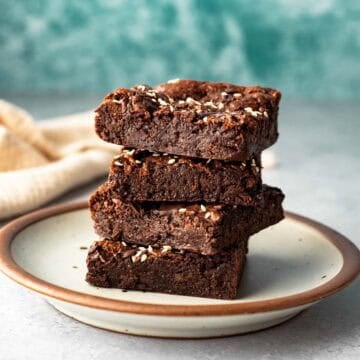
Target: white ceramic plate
[[290, 267]]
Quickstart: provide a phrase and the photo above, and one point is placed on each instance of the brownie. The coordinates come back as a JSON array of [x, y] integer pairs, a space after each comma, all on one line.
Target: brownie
[[203, 228], [191, 118], [115, 264], [146, 176]]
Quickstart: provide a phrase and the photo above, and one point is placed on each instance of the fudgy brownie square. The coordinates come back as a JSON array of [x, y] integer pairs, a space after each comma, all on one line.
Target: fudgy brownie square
[[147, 176], [203, 228], [191, 118], [115, 264]]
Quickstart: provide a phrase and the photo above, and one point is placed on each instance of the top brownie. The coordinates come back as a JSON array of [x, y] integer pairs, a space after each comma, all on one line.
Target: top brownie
[[191, 118]]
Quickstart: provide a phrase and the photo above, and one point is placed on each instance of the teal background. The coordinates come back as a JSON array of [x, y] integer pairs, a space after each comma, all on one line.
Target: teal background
[[308, 49]]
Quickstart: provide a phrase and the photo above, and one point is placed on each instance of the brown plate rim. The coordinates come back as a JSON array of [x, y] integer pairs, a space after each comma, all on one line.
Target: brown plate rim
[[349, 271]]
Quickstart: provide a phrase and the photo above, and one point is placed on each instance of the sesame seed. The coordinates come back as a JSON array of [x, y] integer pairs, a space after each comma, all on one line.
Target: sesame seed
[[257, 169], [134, 258], [118, 163], [150, 249], [143, 257], [141, 248], [141, 87], [165, 154], [129, 152], [138, 162], [124, 243], [154, 100], [224, 93], [205, 119], [207, 215], [116, 101], [173, 81], [266, 114], [117, 157], [203, 208], [165, 249], [171, 108], [182, 210], [211, 104], [171, 161], [221, 106], [155, 154], [162, 102], [237, 95], [252, 112], [181, 102]]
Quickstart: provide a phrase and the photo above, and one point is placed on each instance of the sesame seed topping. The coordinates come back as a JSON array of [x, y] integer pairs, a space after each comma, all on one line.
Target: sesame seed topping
[[127, 153], [207, 215], [237, 95], [266, 114], [221, 106], [224, 93], [171, 161], [252, 112], [118, 163], [141, 87], [211, 104], [150, 249], [162, 102], [165, 249], [155, 154], [205, 119], [203, 208], [171, 108], [134, 258], [173, 81], [154, 100], [165, 154], [208, 161], [141, 248], [123, 243], [181, 102], [138, 162], [182, 210], [143, 257], [117, 157], [116, 101]]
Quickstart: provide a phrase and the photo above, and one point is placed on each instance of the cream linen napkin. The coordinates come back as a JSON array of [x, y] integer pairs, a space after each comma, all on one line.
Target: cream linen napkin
[[39, 162]]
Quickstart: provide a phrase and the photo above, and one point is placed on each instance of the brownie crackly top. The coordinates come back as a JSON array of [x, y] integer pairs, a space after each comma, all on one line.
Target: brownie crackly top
[[191, 118]]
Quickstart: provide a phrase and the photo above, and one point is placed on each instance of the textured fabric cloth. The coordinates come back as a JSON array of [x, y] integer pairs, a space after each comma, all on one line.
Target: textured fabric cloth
[[40, 161]]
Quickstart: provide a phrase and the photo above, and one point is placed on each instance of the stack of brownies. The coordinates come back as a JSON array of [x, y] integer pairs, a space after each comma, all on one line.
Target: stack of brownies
[[185, 193]]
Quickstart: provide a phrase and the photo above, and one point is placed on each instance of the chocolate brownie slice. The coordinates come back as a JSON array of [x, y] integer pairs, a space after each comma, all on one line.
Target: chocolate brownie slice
[[206, 229], [191, 118], [115, 264], [146, 176]]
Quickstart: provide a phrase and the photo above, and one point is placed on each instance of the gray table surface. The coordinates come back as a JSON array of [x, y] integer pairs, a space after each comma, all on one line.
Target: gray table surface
[[318, 153]]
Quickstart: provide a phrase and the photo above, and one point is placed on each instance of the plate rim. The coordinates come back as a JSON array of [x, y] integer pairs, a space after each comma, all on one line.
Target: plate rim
[[349, 271]]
